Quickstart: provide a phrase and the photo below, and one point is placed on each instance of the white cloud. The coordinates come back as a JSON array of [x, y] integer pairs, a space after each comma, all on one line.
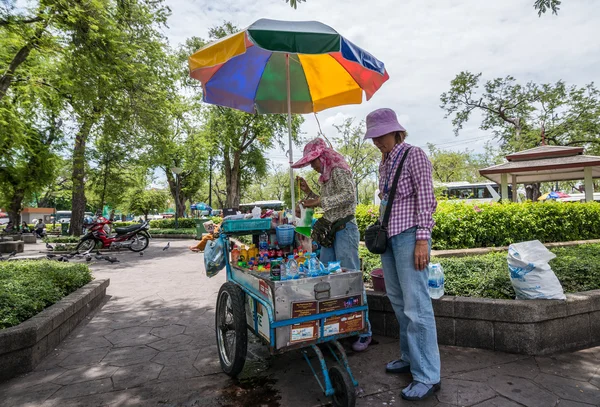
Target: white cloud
[[424, 44]]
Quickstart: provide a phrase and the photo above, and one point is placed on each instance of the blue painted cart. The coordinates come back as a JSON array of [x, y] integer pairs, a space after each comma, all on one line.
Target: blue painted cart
[[304, 314]]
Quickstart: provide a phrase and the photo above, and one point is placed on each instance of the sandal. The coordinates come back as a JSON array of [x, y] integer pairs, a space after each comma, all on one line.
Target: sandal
[[397, 366], [417, 391]]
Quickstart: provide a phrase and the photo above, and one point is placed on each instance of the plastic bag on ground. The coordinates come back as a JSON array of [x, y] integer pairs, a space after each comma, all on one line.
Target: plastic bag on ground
[[214, 257], [530, 273]]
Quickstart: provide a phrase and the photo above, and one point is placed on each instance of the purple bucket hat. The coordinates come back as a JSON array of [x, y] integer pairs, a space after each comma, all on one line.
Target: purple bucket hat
[[381, 122]]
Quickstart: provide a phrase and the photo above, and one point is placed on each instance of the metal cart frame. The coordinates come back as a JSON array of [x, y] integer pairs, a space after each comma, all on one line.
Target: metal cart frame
[[231, 321]]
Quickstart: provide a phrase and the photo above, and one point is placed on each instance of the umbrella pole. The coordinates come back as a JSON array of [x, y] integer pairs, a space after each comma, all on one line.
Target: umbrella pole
[[289, 119]]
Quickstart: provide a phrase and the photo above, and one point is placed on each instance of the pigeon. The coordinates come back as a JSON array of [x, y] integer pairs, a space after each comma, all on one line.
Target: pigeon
[[167, 246], [49, 246], [63, 259], [99, 257], [112, 259], [141, 253], [88, 258], [12, 254], [50, 256]]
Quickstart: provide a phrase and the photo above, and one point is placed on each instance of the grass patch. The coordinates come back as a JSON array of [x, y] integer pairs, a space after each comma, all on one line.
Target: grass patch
[[60, 239], [486, 276], [27, 287]]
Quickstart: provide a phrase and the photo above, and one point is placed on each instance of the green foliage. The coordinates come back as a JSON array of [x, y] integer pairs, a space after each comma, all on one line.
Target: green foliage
[[180, 231], [60, 239], [27, 287], [183, 223], [461, 225], [487, 276], [143, 202], [542, 6]]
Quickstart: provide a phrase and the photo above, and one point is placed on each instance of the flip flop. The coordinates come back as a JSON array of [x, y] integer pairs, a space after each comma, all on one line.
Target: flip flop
[[397, 366], [429, 393]]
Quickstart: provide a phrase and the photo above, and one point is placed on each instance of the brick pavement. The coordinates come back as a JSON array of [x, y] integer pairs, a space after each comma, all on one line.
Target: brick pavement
[[152, 343]]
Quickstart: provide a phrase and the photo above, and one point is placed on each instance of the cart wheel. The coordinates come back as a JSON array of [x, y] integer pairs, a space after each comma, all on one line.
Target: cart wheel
[[344, 394], [232, 334]]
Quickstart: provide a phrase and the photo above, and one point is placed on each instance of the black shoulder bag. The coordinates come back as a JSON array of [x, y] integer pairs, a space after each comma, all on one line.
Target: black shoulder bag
[[376, 234]]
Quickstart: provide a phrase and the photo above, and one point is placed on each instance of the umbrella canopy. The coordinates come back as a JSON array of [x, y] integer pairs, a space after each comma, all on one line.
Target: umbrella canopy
[[251, 70], [553, 195]]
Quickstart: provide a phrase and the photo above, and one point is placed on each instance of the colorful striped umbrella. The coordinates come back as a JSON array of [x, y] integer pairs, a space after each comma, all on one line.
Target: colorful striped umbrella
[[286, 67]]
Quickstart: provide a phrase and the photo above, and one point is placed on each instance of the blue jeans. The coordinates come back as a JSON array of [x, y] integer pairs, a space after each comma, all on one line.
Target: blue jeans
[[345, 250], [407, 290]]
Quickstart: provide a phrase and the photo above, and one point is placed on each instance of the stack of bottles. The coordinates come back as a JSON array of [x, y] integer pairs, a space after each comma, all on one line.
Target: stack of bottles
[[281, 264]]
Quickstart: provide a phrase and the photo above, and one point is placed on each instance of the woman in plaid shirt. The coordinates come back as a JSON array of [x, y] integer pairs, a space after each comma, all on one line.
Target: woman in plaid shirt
[[407, 256]]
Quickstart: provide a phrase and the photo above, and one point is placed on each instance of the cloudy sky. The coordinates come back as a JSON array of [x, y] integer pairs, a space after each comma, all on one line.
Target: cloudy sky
[[424, 44]]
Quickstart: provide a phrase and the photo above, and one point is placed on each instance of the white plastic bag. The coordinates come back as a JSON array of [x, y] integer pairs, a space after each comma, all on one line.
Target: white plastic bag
[[306, 216], [214, 256], [530, 273]]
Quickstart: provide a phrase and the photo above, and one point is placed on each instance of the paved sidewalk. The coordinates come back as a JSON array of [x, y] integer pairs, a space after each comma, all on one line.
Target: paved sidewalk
[[152, 343]]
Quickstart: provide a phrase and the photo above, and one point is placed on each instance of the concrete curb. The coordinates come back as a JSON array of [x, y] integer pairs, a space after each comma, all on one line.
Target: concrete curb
[[530, 327], [23, 346]]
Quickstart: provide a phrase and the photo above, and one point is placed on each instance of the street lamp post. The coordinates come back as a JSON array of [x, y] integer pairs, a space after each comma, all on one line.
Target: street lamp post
[[177, 171]]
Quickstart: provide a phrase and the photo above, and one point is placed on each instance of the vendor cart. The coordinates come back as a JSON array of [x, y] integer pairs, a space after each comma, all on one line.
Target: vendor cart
[[304, 314]]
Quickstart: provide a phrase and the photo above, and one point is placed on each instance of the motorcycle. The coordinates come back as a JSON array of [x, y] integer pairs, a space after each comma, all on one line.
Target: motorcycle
[[135, 238]]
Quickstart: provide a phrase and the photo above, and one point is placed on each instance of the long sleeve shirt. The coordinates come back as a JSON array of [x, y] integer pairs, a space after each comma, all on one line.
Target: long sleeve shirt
[[414, 203], [338, 195]]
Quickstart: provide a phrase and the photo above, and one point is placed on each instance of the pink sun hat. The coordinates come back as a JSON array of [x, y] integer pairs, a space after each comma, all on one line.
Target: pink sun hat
[[312, 150], [381, 122]]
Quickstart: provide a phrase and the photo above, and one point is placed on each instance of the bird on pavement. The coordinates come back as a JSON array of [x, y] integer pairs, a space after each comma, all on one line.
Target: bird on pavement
[[167, 246], [50, 256], [141, 253], [99, 257], [88, 258], [49, 246], [112, 259], [12, 254], [63, 259]]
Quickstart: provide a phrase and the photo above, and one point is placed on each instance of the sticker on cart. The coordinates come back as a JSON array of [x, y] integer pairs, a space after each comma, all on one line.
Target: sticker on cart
[[264, 289], [306, 331], [304, 309], [263, 321], [340, 303], [343, 324]]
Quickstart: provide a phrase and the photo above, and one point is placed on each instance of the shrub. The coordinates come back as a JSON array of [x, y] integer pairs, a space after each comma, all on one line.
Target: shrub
[[179, 231], [27, 287], [465, 225], [60, 239], [577, 268], [184, 223]]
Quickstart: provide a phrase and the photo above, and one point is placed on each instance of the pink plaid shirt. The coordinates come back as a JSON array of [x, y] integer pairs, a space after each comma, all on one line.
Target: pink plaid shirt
[[415, 202]]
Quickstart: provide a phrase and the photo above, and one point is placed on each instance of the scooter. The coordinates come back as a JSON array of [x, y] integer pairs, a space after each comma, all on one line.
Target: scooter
[[135, 238]]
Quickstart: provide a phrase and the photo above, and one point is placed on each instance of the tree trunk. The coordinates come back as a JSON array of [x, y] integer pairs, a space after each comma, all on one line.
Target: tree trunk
[[105, 181], [14, 207], [232, 179], [78, 196]]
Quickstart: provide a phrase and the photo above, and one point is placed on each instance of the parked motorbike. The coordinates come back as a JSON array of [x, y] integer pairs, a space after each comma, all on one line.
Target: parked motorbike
[[135, 237]]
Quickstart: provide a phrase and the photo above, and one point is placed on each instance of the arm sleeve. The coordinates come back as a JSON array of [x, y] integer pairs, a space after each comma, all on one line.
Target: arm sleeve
[[421, 174], [345, 191]]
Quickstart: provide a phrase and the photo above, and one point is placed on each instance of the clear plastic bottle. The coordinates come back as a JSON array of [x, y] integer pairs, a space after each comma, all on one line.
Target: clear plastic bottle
[[435, 281], [291, 268], [313, 266], [263, 241]]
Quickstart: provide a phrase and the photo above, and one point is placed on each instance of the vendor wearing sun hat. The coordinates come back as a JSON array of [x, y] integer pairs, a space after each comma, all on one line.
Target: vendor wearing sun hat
[[407, 256], [338, 201]]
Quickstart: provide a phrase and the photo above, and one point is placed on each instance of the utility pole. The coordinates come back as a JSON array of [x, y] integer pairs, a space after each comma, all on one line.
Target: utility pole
[[210, 182]]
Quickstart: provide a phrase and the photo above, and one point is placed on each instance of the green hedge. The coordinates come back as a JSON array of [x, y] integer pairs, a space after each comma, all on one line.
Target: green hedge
[[180, 231], [462, 225], [27, 287], [487, 276], [61, 239], [184, 223]]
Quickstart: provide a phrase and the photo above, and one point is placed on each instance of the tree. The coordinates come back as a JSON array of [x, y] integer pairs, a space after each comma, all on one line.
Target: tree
[[542, 6], [144, 201], [294, 3], [362, 156], [455, 166], [523, 116]]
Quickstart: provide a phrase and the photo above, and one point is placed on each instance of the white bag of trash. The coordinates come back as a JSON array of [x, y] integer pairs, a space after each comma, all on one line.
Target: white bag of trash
[[530, 273]]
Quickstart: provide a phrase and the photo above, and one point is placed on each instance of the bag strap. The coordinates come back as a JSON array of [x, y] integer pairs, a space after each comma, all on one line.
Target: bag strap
[[388, 207]]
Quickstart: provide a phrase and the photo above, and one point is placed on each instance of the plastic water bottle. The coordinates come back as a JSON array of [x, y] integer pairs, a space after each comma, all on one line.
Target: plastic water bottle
[[263, 241], [313, 266], [436, 281], [292, 268]]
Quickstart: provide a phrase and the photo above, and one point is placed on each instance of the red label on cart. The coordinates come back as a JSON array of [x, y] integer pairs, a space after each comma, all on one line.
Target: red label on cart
[[306, 331], [304, 309], [264, 289], [340, 303], [343, 324]]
